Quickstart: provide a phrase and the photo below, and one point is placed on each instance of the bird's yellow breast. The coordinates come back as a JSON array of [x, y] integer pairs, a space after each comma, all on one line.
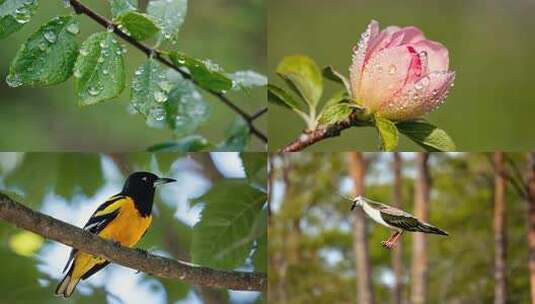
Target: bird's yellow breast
[[128, 227]]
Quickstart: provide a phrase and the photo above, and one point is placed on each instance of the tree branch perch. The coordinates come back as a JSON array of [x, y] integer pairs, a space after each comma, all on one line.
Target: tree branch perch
[[51, 228], [80, 8]]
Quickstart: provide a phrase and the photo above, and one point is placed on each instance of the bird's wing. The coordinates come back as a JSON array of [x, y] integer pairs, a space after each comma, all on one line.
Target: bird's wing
[[104, 214], [400, 220]]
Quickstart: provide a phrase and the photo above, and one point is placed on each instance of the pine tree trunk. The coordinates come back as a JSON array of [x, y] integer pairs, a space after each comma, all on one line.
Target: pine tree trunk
[[357, 169], [397, 261], [500, 240], [531, 225], [419, 244]]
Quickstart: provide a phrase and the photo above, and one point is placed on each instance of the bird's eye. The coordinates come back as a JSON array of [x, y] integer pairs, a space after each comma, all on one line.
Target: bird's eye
[[144, 179]]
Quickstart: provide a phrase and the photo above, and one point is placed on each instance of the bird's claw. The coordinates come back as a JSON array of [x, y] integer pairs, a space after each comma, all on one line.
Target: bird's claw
[[387, 244]]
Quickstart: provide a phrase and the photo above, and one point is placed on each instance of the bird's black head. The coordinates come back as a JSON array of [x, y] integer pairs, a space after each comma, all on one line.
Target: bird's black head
[[140, 187]]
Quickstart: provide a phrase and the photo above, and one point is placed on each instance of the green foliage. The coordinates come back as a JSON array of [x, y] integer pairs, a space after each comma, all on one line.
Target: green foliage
[[330, 73], [302, 75], [237, 136], [138, 25], [14, 14], [279, 96], [207, 74], [223, 237], [255, 166], [99, 70], [185, 109], [170, 15], [119, 7], [427, 135], [192, 143], [388, 133], [337, 108], [48, 56]]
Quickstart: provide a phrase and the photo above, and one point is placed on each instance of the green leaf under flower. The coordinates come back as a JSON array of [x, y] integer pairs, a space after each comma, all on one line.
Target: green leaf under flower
[[428, 136], [388, 133]]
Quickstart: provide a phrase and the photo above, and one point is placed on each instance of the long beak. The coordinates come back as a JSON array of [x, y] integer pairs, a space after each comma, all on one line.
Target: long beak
[[163, 180], [354, 205]]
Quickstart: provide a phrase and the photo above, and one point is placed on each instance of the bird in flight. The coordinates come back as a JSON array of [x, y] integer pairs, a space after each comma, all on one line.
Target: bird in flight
[[393, 218], [123, 218]]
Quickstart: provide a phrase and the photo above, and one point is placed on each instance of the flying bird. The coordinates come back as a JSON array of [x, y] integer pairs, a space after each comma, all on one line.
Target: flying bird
[[393, 218], [123, 218]]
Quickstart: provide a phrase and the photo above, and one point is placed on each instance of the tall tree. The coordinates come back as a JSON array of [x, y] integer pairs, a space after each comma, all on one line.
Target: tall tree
[[397, 262], [357, 168], [419, 243], [531, 221], [499, 223]]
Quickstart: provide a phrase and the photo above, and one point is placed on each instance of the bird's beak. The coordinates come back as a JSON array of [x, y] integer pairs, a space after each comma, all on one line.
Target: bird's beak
[[163, 180], [354, 205]]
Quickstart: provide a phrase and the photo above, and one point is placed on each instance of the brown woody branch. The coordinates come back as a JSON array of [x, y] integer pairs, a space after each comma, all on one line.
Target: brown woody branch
[[81, 8], [308, 138], [51, 228]]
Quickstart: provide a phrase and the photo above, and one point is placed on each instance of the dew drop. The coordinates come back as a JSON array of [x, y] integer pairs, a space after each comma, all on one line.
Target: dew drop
[[110, 28], [100, 59], [105, 72], [157, 114], [160, 96], [13, 80], [73, 28], [392, 69], [94, 90], [50, 36], [42, 46], [77, 73]]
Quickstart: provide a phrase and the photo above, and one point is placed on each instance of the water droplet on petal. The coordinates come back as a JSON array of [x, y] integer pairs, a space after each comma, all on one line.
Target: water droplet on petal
[[157, 114], [160, 96], [392, 69]]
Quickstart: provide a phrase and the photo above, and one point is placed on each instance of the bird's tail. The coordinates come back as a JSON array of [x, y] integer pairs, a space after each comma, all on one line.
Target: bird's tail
[[67, 285], [428, 228]]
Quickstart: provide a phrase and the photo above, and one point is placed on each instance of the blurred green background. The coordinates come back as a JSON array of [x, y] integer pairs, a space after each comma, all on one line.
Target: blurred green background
[[229, 32], [70, 186], [491, 48]]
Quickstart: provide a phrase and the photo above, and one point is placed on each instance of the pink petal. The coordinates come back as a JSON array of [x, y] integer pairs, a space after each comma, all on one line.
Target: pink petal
[[420, 98], [437, 54], [411, 34], [383, 76], [381, 41], [416, 67], [359, 54]]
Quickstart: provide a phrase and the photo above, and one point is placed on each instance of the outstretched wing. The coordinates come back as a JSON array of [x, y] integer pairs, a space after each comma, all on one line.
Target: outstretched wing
[[104, 214], [408, 222]]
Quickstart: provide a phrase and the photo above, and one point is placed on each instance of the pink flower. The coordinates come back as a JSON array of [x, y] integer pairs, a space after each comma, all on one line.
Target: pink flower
[[399, 74]]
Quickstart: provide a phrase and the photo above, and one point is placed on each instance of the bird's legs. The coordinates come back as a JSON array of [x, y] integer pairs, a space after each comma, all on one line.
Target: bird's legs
[[392, 240]]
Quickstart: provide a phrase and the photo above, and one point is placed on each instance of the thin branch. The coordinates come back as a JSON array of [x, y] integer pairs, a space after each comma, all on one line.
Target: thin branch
[[51, 228], [81, 8], [259, 113], [308, 138]]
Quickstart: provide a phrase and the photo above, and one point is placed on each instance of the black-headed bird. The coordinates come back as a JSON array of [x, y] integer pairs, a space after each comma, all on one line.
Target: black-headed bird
[[123, 218], [393, 218]]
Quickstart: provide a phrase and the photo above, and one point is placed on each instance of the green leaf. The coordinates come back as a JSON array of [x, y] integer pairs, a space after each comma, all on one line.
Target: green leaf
[[170, 15], [150, 87], [335, 112], [207, 74], [303, 75], [192, 143], [14, 14], [427, 135], [339, 97], [237, 136], [279, 96], [388, 133], [260, 254], [140, 26], [255, 166], [48, 56], [247, 79], [222, 237], [330, 73], [99, 69], [185, 109], [119, 7]]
